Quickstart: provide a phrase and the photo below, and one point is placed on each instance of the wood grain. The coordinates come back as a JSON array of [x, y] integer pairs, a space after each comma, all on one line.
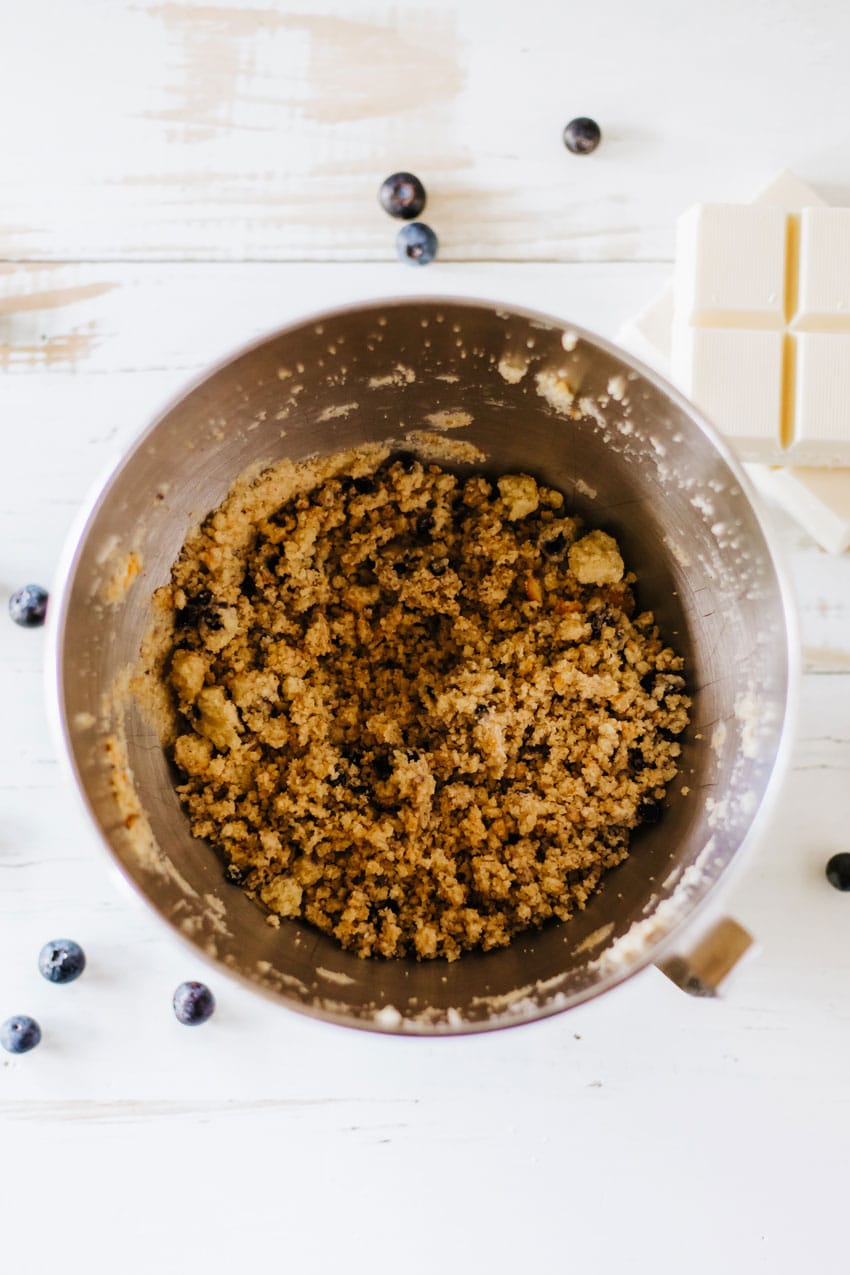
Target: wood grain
[[229, 131]]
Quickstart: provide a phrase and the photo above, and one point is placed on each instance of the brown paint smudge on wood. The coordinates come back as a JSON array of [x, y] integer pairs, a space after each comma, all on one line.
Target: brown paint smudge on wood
[[357, 70], [67, 348], [54, 298], [214, 60]]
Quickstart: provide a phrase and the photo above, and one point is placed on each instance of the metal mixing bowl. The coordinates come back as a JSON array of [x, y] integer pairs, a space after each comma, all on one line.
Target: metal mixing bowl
[[644, 466]]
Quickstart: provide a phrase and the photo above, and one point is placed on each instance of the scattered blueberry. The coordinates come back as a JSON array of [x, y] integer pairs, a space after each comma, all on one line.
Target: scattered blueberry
[[402, 195], [581, 136], [28, 606], [416, 244], [20, 1034], [193, 1004], [838, 871], [61, 961]]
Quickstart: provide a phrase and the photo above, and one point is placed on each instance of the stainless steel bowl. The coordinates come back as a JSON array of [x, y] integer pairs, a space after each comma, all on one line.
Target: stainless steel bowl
[[646, 467]]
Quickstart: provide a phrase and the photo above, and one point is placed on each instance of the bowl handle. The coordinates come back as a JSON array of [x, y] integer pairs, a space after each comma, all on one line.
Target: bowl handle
[[701, 970]]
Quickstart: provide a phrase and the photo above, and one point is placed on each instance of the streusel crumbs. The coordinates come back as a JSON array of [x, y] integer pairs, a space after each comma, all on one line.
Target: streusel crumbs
[[417, 711]]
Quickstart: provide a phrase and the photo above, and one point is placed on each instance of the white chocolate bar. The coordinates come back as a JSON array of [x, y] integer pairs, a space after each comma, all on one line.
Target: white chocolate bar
[[648, 334], [819, 499], [823, 293], [735, 377], [730, 266], [761, 328], [822, 399]]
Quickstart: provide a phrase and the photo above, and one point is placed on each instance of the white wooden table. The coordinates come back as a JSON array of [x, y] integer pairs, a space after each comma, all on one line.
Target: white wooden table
[[175, 178]]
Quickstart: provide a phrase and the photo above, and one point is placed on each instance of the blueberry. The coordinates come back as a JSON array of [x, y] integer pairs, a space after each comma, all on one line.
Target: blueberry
[[61, 961], [637, 761], [20, 1034], [649, 811], [198, 609], [581, 136], [554, 547], [193, 1004], [402, 195], [416, 244], [598, 620], [838, 871], [28, 606], [234, 874], [382, 767]]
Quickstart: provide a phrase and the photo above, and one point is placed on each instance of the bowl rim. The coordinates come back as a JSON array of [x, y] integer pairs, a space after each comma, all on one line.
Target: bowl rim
[[655, 948]]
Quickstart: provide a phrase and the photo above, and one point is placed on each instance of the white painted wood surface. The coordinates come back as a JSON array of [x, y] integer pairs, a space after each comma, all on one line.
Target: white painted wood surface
[[190, 128], [150, 151]]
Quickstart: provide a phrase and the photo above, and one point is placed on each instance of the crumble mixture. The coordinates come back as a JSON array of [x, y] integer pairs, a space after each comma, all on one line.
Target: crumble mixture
[[415, 710]]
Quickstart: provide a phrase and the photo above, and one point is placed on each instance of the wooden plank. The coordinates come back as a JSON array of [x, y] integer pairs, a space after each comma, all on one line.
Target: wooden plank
[[98, 318], [203, 130]]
